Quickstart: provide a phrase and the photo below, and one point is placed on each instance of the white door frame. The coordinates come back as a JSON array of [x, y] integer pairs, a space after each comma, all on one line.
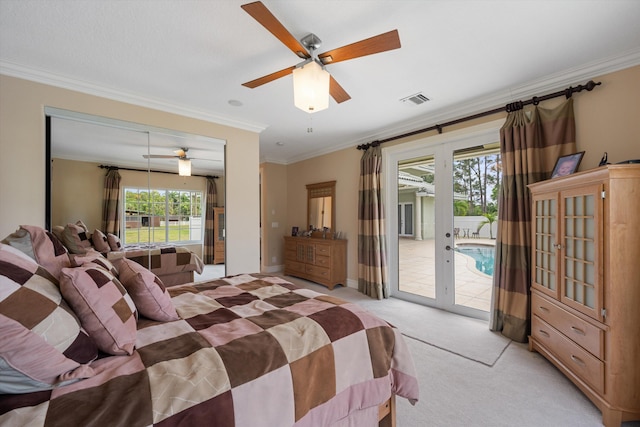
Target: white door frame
[[442, 145]]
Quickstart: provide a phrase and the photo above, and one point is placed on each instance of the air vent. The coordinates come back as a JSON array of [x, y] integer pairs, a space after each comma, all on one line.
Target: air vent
[[416, 99]]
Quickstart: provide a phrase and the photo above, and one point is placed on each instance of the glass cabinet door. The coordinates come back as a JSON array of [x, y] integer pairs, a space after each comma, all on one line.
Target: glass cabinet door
[[545, 260], [582, 250]]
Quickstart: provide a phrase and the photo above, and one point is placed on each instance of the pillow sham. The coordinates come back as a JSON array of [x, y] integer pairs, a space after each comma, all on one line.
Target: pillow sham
[[95, 258], [99, 240], [76, 238], [104, 307], [114, 242], [147, 291], [42, 246], [42, 345]]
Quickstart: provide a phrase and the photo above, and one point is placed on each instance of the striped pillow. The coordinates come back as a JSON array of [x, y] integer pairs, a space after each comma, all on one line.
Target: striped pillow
[[104, 307], [42, 343]]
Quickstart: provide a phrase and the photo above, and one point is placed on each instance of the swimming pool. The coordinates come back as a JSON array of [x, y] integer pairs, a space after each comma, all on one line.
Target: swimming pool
[[483, 255]]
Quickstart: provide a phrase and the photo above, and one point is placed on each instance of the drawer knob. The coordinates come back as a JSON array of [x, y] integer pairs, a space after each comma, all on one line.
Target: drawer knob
[[543, 308], [577, 330], [543, 332]]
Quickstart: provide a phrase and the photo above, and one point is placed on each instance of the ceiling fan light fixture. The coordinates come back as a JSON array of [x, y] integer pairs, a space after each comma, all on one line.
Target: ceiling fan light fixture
[[311, 87], [184, 167]]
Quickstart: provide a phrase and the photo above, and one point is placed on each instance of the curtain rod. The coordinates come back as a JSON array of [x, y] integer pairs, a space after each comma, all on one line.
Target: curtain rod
[[513, 106], [154, 171]]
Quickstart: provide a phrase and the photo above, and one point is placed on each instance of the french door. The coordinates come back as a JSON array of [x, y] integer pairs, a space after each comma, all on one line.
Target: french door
[[436, 265]]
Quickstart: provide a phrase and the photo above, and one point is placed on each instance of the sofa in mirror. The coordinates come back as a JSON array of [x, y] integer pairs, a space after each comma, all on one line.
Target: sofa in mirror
[[157, 208], [321, 207]]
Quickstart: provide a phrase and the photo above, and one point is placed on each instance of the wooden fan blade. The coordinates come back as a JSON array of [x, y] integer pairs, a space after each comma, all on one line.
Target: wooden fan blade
[[376, 44], [269, 78], [337, 92], [260, 13]]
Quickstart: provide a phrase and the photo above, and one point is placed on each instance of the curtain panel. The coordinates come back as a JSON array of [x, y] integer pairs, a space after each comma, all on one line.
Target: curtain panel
[[372, 244], [530, 143], [111, 203], [209, 236]]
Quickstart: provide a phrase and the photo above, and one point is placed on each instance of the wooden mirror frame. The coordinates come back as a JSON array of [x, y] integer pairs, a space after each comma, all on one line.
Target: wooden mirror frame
[[322, 189]]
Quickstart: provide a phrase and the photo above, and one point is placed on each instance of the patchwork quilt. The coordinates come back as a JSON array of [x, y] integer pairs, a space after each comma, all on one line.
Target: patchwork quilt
[[248, 351], [161, 260]]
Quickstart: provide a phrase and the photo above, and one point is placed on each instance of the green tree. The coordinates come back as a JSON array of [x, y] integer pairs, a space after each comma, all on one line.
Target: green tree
[[490, 219]]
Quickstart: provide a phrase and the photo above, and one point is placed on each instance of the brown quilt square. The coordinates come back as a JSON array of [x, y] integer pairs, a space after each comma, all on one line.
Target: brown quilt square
[[250, 357], [381, 345], [213, 412], [273, 318], [314, 380], [337, 322], [285, 300], [87, 405], [203, 321], [174, 348], [240, 299]]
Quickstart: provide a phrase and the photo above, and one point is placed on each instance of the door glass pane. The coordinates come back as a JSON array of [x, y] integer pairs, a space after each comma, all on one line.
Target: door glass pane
[[416, 246], [476, 178]]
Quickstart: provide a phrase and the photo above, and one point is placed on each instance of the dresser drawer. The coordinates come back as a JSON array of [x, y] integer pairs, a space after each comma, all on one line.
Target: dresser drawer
[[323, 261], [324, 250], [585, 334], [318, 272], [579, 361]]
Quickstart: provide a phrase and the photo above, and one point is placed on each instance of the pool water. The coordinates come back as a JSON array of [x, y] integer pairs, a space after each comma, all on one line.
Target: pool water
[[483, 255]]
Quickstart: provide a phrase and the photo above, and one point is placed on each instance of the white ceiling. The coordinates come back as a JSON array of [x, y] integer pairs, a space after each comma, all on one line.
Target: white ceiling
[[191, 57]]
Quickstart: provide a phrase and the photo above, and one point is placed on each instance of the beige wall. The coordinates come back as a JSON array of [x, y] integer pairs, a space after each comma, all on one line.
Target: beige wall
[[22, 160], [607, 119], [274, 215]]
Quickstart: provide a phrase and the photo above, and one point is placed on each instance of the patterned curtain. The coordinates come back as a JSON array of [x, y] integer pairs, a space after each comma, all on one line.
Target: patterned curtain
[[111, 203], [530, 143], [371, 238], [209, 236]]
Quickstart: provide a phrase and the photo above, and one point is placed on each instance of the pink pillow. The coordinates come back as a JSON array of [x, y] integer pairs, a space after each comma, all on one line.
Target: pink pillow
[[147, 291], [41, 339], [114, 242], [100, 241], [42, 246], [76, 238], [96, 258], [105, 309]]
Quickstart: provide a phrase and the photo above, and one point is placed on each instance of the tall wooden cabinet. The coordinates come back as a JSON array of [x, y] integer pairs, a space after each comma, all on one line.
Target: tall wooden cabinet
[[322, 261], [585, 293], [218, 232]]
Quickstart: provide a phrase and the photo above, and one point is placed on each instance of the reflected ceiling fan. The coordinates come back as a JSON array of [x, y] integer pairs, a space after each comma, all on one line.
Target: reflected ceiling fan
[[184, 162], [306, 49]]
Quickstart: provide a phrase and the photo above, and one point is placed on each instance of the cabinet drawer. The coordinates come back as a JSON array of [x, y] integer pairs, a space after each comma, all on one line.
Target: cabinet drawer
[[290, 245], [290, 254], [324, 250], [323, 261], [319, 272], [294, 267], [579, 361], [585, 334]]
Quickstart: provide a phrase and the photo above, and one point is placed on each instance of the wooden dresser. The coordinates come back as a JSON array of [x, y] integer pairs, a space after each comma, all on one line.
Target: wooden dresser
[[322, 261], [218, 233], [585, 293]]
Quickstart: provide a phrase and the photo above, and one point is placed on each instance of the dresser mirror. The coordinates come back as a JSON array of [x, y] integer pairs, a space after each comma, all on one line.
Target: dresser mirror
[[321, 206]]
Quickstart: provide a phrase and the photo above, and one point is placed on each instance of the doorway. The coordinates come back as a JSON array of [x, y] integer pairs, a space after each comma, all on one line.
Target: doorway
[[452, 186], [405, 219]]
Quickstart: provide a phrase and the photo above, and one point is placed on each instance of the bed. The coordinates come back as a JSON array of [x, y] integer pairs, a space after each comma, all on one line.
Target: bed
[[174, 265], [249, 350]]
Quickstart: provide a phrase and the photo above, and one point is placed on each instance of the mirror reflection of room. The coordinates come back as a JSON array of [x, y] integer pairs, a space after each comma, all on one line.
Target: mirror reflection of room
[[321, 206], [157, 209]]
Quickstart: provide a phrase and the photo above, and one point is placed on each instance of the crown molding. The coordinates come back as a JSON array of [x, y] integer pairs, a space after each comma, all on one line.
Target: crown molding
[[45, 77]]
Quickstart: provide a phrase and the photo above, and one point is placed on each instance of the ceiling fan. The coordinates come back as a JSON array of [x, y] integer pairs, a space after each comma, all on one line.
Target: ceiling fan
[[307, 46], [184, 162]]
